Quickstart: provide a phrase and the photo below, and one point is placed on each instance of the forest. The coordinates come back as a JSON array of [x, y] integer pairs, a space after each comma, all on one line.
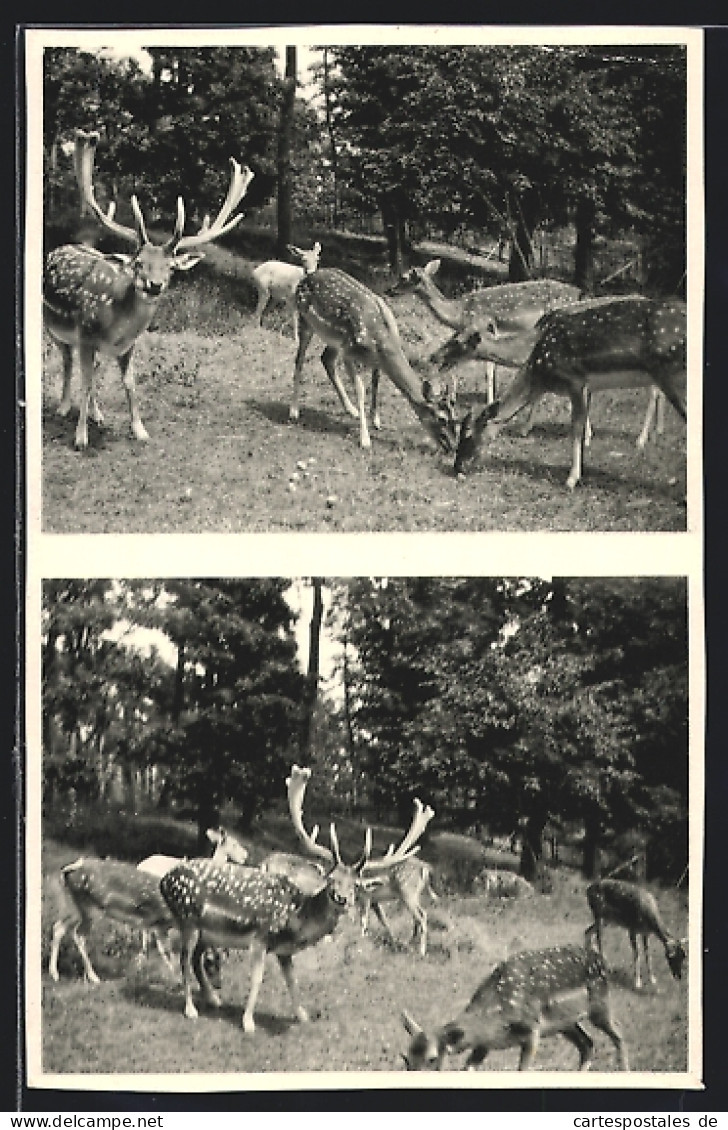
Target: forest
[[477, 143], [510, 704]]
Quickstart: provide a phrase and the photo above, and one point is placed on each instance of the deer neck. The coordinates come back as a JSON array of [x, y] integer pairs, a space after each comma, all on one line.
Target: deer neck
[[511, 351], [446, 310]]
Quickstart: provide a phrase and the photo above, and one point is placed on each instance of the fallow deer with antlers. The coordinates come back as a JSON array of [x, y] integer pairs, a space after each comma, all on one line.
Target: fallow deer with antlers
[[267, 913], [101, 303]]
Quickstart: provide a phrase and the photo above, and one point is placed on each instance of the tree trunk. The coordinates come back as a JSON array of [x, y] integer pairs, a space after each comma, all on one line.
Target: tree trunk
[[208, 816], [332, 138], [531, 847], [285, 134], [520, 261], [591, 863], [313, 674], [395, 235], [584, 252]]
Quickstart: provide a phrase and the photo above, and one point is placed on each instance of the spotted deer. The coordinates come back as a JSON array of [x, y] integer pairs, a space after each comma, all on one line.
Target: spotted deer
[[620, 903], [249, 908], [625, 342], [277, 281], [227, 850], [100, 304], [359, 328], [506, 307], [529, 997], [405, 883]]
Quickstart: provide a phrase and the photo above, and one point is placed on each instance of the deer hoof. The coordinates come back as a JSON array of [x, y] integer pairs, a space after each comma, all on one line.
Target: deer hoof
[[140, 433]]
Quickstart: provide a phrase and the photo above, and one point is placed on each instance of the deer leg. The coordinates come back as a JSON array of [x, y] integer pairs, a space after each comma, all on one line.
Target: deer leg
[[600, 1016], [263, 297], [583, 1042], [328, 360], [59, 933], [579, 417], [78, 933], [162, 949], [286, 963], [305, 333], [635, 959], [650, 415], [379, 911], [476, 1057], [419, 926], [376, 418], [199, 968], [67, 354], [648, 962], [257, 969], [127, 379], [354, 375], [190, 938], [528, 1049], [87, 356], [489, 382]]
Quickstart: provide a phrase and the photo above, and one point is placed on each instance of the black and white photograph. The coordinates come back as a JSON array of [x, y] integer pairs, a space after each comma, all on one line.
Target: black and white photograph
[[304, 288], [455, 810]]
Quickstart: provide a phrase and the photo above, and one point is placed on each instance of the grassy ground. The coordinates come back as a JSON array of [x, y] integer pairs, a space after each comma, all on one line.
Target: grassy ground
[[214, 391], [355, 989]]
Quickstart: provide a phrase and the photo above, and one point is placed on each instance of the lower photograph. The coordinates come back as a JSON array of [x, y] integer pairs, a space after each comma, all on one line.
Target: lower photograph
[[360, 826]]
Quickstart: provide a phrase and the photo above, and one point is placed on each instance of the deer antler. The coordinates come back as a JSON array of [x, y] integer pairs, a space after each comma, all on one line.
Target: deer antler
[[296, 785], [83, 163], [406, 849], [240, 178]]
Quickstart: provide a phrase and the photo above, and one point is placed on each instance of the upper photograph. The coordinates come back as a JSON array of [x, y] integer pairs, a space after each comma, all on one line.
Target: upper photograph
[[368, 287]]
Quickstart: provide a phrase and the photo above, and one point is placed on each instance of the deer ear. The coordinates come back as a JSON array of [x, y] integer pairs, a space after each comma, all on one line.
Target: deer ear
[[187, 260], [432, 267], [411, 1025]]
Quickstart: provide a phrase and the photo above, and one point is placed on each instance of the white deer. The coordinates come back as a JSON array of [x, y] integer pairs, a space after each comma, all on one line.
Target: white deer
[[625, 342], [250, 908], [101, 303], [529, 997], [278, 281], [620, 903], [358, 327]]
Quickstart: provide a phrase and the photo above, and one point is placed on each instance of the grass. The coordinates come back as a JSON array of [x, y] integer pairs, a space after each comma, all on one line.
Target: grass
[[354, 987], [214, 390]]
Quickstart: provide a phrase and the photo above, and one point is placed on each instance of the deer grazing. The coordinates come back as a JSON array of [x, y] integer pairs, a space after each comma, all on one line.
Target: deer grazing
[[358, 326], [100, 304], [529, 997], [278, 281], [125, 893], [267, 913], [508, 307], [114, 889], [621, 903], [626, 342]]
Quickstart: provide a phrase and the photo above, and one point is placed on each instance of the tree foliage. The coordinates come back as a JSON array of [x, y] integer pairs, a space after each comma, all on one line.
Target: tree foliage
[[505, 700]]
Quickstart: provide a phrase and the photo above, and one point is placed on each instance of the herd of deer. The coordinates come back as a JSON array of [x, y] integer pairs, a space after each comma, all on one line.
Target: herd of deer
[[559, 343], [291, 902]]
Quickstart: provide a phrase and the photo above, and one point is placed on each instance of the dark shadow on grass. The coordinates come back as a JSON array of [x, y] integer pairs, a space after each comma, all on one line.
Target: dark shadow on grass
[[312, 419], [170, 998], [62, 429], [593, 475]]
